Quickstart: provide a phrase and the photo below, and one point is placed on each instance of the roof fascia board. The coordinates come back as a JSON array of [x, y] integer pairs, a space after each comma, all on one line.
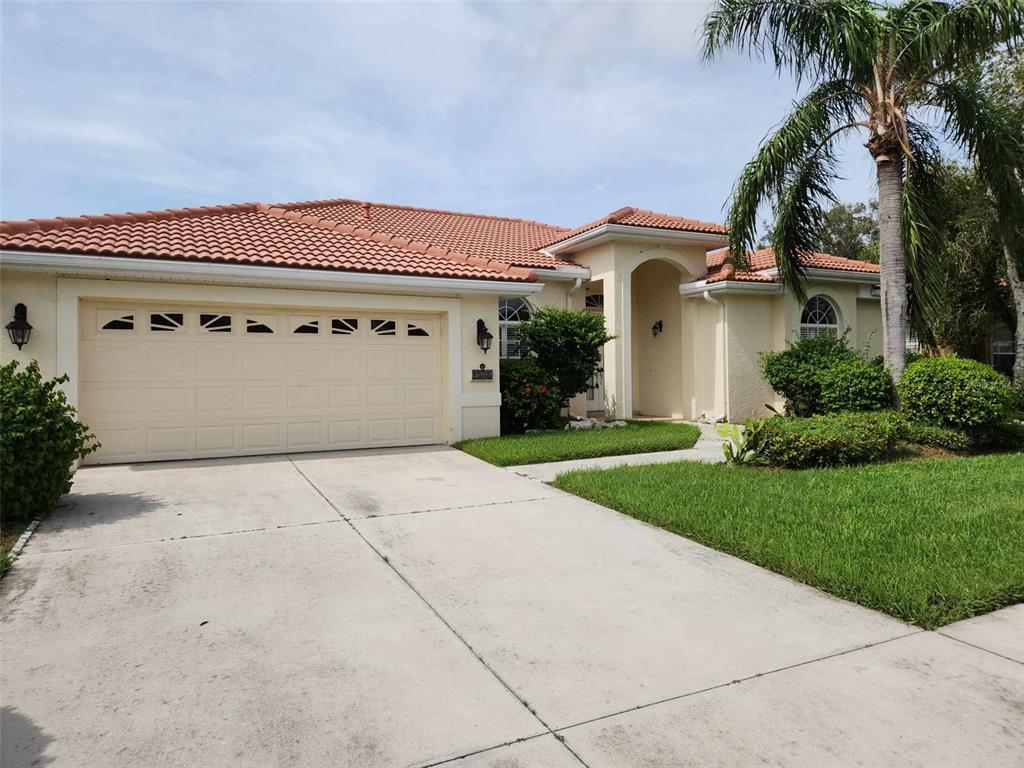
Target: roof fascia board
[[607, 232], [831, 275], [122, 267], [568, 273], [698, 288]]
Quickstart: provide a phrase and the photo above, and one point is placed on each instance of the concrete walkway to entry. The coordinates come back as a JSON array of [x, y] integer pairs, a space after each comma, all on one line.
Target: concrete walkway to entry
[[708, 450], [418, 607]]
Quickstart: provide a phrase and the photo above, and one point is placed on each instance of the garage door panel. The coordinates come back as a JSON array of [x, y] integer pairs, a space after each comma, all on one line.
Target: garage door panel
[[168, 402], [177, 387]]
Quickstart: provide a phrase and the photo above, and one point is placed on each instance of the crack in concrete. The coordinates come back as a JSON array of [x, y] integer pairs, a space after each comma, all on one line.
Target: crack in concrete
[[384, 558]]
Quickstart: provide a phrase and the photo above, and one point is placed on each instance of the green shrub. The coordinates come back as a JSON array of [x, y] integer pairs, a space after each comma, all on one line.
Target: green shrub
[[855, 385], [794, 372], [1017, 399], [828, 441], [1003, 436], [566, 344], [40, 439], [529, 398], [938, 437], [955, 392]]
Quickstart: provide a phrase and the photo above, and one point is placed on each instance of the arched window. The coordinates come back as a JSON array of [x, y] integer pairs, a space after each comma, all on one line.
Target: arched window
[[511, 313], [819, 317]]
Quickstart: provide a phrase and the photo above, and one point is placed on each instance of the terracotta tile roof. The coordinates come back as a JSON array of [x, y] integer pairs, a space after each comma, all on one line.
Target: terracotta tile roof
[[764, 258], [513, 241], [252, 233], [635, 217]]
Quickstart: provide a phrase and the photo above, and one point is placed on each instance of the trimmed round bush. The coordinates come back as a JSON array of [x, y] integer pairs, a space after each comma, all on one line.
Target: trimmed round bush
[[794, 372], [40, 440], [955, 392], [530, 399], [832, 440], [855, 385]]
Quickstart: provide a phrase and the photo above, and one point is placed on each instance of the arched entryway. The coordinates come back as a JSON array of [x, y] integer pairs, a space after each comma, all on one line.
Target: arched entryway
[[656, 339]]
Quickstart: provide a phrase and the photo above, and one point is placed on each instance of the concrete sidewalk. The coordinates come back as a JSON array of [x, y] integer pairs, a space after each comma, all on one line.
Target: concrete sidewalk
[[419, 607], [708, 449]]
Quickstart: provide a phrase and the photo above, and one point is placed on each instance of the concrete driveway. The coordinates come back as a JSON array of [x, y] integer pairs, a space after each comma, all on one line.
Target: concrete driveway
[[412, 607]]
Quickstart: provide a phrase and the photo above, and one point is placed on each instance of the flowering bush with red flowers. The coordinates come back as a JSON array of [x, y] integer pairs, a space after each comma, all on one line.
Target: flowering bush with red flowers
[[529, 398]]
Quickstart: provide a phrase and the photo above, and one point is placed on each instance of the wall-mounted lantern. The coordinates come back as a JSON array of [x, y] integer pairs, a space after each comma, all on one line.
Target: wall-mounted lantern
[[657, 328], [483, 336], [18, 329]]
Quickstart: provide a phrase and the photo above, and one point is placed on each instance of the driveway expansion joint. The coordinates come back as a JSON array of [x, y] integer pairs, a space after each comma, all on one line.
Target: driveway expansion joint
[[386, 560], [738, 681], [977, 647]]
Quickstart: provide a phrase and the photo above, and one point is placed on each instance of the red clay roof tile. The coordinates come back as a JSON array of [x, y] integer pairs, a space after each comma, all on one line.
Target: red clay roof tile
[[764, 258], [636, 217]]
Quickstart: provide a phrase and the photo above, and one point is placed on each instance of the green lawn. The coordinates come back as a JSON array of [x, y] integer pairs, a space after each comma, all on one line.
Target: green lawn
[[561, 445], [930, 541]]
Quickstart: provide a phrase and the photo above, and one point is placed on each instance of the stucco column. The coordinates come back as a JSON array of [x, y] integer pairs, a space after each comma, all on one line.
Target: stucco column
[[616, 351]]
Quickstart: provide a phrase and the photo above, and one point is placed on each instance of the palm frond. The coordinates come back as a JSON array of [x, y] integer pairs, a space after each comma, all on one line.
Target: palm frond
[[815, 121], [994, 139], [938, 37], [820, 38], [800, 215], [922, 229]]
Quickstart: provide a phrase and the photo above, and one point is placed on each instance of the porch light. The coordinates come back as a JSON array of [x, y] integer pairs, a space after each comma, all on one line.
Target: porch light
[[18, 329], [657, 328], [483, 336]]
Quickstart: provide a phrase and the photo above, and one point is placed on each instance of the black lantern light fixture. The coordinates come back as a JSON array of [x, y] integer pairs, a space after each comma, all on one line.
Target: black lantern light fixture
[[18, 329], [483, 336], [657, 328]]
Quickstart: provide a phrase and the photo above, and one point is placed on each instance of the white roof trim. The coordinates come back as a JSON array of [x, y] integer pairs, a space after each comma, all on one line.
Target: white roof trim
[[831, 275], [606, 232], [561, 273], [194, 271], [699, 287]]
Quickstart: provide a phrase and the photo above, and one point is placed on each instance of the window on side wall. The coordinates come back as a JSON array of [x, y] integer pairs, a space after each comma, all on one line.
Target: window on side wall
[[1002, 349], [818, 318], [512, 313]]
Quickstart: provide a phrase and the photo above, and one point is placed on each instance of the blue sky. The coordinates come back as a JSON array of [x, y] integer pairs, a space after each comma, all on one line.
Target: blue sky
[[559, 113]]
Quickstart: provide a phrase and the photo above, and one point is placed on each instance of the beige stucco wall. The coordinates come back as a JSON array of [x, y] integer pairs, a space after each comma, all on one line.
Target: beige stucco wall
[[657, 361], [38, 292], [760, 322], [703, 371], [478, 403]]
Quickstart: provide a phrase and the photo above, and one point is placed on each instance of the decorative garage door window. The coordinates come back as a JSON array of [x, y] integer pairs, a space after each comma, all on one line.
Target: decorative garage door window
[[383, 327], [167, 321], [115, 320], [305, 324], [214, 322], [414, 329], [511, 314], [344, 326], [259, 324], [818, 318]]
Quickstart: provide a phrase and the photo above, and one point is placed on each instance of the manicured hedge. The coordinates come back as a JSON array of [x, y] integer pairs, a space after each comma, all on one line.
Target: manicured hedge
[[955, 392], [826, 441], [855, 385]]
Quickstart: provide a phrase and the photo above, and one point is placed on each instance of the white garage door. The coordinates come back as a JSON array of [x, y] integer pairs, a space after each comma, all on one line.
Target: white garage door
[[175, 382]]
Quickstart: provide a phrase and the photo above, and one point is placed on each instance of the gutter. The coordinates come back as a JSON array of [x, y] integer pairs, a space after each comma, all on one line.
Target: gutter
[[567, 273], [702, 288], [631, 232], [288, 277]]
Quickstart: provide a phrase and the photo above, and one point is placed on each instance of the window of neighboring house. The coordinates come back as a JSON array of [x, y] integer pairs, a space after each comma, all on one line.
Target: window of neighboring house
[[1002, 349], [913, 344], [511, 314], [818, 317]]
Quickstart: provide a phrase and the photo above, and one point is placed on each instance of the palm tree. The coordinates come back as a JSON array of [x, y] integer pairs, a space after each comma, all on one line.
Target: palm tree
[[900, 73]]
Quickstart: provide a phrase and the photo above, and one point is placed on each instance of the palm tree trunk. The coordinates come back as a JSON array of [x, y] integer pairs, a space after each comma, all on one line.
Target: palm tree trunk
[[893, 264], [1017, 289]]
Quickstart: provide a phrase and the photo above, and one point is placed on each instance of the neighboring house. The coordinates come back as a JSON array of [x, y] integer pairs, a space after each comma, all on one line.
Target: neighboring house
[[249, 329]]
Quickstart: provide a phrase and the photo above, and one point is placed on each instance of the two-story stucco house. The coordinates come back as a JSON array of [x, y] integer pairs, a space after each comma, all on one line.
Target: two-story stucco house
[[249, 329]]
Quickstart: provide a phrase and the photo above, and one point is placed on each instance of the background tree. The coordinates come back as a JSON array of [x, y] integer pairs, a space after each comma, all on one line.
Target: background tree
[[971, 296], [880, 68], [849, 230], [1004, 76]]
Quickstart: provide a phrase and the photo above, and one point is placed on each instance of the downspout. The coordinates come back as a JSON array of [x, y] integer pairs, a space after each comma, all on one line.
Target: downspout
[[575, 287], [725, 352]]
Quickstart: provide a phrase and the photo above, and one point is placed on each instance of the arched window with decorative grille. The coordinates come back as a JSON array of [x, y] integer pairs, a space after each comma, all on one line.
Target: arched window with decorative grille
[[818, 317], [512, 312]]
